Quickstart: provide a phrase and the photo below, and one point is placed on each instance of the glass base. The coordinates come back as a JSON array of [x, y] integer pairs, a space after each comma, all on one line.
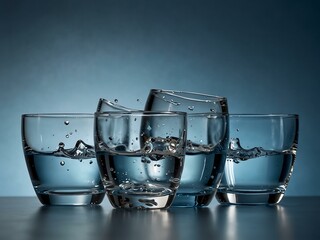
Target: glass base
[[187, 200], [70, 198], [139, 201], [249, 198]]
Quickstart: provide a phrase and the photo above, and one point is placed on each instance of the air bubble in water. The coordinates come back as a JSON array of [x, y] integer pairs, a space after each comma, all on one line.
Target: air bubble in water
[[191, 108], [91, 162], [237, 129], [212, 110], [61, 145], [138, 100], [67, 136], [66, 122], [116, 100], [62, 163]]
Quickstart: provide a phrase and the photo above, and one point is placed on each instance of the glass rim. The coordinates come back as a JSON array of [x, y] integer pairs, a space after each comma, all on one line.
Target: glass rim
[[264, 115], [58, 115], [176, 92], [115, 105], [140, 113]]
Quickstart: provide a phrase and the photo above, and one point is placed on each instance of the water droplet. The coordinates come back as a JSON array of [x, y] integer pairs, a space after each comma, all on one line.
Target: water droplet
[[66, 122], [110, 138], [61, 145], [80, 160], [68, 169], [75, 130], [137, 138], [135, 119], [91, 162], [67, 136], [62, 163], [237, 129], [212, 110], [191, 108], [138, 100], [116, 100], [111, 169]]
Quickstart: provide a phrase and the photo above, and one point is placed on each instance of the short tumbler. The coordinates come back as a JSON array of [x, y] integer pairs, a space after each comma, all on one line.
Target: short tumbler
[[140, 156], [260, 158], [206, 142], [60, 156]]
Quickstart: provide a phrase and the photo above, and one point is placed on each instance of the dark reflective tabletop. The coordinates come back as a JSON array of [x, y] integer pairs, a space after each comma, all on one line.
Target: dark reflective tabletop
[[293, 218]]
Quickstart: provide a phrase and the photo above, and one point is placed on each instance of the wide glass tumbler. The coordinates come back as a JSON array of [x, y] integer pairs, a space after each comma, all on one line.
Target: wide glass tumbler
[[206, 142], [140, 156], [260, 158], [60, 156]]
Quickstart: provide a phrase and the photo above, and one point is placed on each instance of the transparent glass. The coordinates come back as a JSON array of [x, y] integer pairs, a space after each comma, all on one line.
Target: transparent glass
[[260, 158], [206, 142], [140, 156], [60, 157]]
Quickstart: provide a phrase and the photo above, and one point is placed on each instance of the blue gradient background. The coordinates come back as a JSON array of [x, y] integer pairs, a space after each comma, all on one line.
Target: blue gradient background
[[62, 56]]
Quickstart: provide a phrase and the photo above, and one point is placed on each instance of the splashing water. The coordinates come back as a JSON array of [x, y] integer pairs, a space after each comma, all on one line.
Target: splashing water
[[81, 150], [237, 153]]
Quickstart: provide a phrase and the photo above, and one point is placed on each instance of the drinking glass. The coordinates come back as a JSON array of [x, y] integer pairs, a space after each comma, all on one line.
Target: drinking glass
[[140, 156], [260, 158], [207, 139], [60, 157]]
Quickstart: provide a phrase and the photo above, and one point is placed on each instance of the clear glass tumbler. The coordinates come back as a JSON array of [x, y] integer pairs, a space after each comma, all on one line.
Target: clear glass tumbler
[[140, 156], [260, 158], [60, 156], [207, 139]]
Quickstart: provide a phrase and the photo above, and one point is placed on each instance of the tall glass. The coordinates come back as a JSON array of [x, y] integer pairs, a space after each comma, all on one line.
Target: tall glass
[[140, 156], [260, 158], [60, 156], [207, 139]]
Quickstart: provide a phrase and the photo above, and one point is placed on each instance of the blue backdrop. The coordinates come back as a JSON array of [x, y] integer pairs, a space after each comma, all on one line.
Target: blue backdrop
[[62, 56]]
